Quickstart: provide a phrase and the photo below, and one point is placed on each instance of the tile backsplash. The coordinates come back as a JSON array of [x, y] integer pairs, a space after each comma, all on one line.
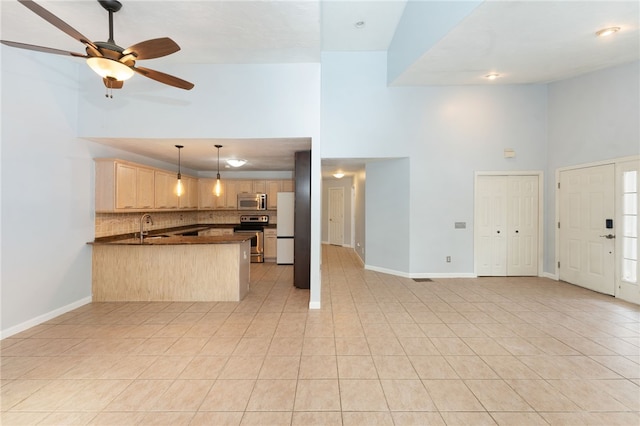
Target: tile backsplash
[[108, 224]]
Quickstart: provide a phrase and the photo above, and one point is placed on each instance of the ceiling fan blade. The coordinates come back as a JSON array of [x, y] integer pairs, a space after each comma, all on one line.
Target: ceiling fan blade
[[112, 84], [55, 21], [42, 49], [164, 78], [151, 49]]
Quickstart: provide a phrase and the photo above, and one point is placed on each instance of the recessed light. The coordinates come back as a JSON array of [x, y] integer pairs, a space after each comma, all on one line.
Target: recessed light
[[359, 24], [607, 31], [492, 76]]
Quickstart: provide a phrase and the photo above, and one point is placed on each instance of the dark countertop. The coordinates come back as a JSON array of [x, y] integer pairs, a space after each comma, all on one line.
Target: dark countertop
[[172, 236], [179, 239]]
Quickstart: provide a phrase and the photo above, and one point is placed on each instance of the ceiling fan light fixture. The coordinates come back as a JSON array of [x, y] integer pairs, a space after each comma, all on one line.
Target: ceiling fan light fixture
[[111, 69], [236, 162], [492, 76]]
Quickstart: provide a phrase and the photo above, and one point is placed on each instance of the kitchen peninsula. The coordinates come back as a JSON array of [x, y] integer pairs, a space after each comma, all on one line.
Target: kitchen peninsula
[[172, 268]]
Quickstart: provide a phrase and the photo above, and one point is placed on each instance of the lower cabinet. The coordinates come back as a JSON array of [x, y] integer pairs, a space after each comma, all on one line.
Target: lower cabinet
[[215, 232], [270, 244]]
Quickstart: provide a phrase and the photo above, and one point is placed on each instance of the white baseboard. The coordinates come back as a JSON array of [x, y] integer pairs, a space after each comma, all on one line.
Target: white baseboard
[[445, 275], [551, 276], [314, 305], [422, 274], [387, 271], [43, 318]]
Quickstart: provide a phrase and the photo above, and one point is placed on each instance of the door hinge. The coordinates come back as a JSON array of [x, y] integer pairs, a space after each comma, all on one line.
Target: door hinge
[[558, 225], [558, 264], [558, 185]]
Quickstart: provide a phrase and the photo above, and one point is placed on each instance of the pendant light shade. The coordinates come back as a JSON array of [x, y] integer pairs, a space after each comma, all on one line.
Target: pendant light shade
[[179, 187], [217, 190]]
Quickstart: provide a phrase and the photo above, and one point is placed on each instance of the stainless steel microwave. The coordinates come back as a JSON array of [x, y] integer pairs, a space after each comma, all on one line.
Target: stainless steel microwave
[[254, 202]]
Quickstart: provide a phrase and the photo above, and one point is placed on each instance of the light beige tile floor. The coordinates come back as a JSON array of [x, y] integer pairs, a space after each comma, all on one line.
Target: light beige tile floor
[[383, 350]]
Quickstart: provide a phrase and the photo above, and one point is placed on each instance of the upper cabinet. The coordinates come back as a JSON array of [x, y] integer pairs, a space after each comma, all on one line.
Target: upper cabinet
[[123, 186], [189, 200], [166, 197]]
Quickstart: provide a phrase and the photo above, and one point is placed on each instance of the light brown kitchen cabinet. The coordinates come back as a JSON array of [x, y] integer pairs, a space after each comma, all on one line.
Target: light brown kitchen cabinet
[[275, 186], [165, 190], [288, 185], [215, 232], [259, 187], [270, 244], [206, 198], [189, 200], [123, 186]]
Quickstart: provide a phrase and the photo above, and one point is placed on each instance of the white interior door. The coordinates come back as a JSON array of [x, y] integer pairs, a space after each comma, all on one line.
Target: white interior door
[[336, 216], [522, 225], [490, 225], [586, 203], [506, 225]]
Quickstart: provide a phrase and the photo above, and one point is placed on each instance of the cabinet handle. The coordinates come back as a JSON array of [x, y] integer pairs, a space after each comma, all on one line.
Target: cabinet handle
[[517, 231]]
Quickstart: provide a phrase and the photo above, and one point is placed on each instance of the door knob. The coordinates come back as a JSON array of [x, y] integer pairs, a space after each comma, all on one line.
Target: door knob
[[608, 236]]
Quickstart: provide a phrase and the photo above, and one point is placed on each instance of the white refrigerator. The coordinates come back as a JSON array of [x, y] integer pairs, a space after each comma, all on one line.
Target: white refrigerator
[[284, 228]]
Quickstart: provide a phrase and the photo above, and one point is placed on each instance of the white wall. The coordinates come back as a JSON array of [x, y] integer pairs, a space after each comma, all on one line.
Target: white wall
[[592, 117], [447, 132], [46, 191], [359, 184], [387, 202]]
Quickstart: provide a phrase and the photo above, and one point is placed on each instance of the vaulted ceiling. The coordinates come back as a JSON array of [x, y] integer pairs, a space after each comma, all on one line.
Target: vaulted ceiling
[[427, 42]]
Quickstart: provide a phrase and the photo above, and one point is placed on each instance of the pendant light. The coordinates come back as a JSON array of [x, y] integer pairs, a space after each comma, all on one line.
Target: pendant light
[[179, 187], [217, 190]]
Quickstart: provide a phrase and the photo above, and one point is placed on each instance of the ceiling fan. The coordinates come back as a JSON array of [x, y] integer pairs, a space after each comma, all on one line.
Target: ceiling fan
[[113, 63]]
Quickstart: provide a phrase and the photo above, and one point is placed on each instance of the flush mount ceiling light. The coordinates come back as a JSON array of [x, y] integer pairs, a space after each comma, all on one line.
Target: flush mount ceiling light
[[338, 175], [359, 25], [607, 31], [492, 76], [217, 190], [236, 162], [179, 187]]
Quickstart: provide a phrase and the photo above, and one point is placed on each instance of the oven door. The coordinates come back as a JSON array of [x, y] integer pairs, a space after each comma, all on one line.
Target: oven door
[[257, 244]]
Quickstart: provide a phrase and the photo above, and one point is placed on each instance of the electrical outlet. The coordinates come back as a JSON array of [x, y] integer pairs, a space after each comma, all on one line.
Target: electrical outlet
[[448, 259]]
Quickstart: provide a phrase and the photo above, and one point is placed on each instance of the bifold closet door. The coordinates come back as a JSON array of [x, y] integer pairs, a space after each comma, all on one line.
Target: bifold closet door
[[506, 225]]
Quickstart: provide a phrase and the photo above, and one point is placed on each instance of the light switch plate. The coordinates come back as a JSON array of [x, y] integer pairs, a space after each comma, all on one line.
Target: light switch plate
[[460, 225]]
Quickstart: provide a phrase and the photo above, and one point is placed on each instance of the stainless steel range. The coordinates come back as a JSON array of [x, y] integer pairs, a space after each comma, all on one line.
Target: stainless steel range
[[254, 224]]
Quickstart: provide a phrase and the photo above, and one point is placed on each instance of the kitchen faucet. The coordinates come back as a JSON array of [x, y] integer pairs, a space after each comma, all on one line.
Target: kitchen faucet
[[145, 218]]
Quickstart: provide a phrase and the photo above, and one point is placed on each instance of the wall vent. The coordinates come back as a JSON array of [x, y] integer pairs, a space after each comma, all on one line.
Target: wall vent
[[423, 280]]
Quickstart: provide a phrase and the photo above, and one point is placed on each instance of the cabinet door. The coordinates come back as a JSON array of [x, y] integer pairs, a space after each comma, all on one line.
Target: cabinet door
[[231, 194], [125, 186], [165, 194], [189, 200], [288, 185], [206, 198], [270, 243], [243, 186], [273, 187], [220, 201], [145, 189], [259, 187]]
